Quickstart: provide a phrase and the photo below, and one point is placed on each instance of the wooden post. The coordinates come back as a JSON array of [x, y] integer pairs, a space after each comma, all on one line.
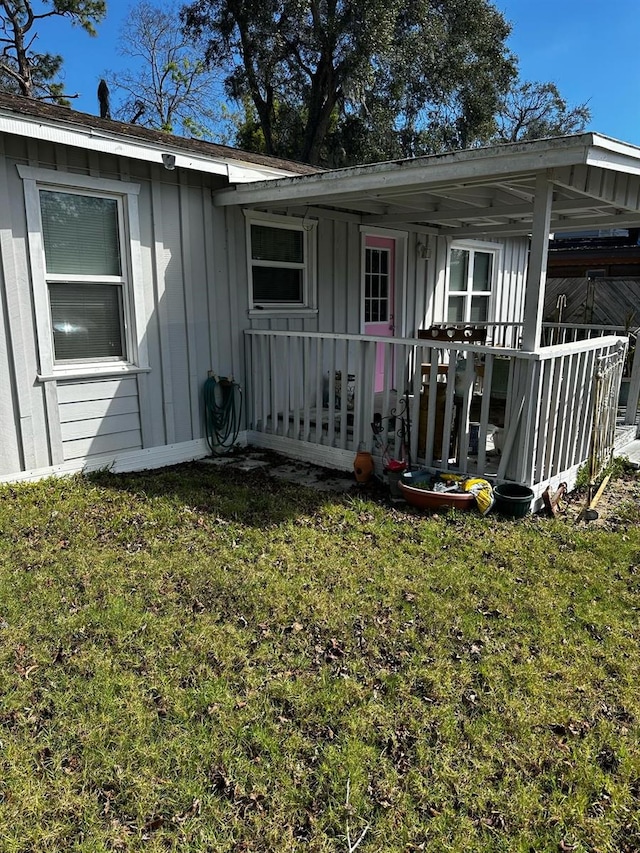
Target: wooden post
[[634, 384], [537, 270]]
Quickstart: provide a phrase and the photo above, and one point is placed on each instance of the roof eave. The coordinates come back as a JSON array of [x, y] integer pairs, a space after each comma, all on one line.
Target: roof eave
[[118, 144], [459, 167]]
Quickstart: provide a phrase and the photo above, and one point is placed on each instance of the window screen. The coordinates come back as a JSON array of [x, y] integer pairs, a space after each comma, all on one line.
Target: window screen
[[278, 265], [459, 269], [87, 321], [482, 262], [272, 284], [80, 234], [470, 283], [82, 248], [276, 244]]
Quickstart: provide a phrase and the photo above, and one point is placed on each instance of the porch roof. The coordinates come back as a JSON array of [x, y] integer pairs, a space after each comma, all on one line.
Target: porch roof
[[479, 192]]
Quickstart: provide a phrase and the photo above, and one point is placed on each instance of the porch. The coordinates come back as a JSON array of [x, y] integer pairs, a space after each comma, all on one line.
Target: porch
[[489, 410], [550, 393]]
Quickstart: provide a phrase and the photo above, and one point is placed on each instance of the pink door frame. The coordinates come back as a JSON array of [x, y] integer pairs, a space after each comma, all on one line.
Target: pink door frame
[[379, 294]]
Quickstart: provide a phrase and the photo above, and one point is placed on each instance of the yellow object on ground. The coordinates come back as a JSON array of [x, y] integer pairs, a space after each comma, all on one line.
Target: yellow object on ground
[[482, 491]]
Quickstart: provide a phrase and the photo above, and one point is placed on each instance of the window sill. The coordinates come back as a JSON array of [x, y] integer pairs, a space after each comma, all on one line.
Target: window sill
[[283, 312], [92, 373]]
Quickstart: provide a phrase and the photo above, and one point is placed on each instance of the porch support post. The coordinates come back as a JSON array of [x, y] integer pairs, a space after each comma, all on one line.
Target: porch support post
[[634, 384], [537, 270]]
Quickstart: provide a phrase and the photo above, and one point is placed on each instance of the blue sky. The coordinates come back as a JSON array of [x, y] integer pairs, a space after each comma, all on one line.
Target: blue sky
[[589, 48]]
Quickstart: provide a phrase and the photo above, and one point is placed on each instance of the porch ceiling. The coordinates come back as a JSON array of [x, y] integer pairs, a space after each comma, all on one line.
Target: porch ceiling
[[486, 191]]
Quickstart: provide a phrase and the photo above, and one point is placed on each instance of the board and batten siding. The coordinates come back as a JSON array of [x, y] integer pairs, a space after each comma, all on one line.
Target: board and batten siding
[[23, 420], [420, 296], [182, 306], [508, 287], [190, 307], [511, 281], [421, 279]]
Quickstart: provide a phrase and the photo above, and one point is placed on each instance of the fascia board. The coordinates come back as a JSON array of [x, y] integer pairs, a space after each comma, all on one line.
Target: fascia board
[[118, 145], [240, 172], [464, 166], [615, 160]]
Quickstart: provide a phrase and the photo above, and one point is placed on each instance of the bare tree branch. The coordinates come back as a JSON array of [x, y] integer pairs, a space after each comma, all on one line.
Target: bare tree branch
[[34, 74], [167, 75]]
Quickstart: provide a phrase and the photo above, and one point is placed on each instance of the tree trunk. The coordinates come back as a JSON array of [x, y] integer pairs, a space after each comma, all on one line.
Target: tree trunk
[[322, 102]]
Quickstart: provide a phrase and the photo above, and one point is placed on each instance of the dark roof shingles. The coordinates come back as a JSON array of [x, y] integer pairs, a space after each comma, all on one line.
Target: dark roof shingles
[[51, 112]]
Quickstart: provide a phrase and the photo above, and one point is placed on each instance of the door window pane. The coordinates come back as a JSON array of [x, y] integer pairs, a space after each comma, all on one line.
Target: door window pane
[[376, 285]]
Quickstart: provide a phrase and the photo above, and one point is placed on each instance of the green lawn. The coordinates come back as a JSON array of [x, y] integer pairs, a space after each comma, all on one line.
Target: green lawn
[[196, 660]]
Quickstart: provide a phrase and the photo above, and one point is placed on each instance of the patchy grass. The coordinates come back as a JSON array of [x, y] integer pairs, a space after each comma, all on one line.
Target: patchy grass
[[203, 661]]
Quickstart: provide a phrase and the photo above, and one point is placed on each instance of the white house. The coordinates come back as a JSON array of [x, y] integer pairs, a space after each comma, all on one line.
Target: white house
[[133, 264]]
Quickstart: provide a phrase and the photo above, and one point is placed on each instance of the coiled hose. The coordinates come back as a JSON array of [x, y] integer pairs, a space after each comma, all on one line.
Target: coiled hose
[[222, 413]]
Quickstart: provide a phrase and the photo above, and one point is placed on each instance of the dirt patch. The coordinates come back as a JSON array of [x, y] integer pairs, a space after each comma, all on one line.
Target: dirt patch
[[618, 507]]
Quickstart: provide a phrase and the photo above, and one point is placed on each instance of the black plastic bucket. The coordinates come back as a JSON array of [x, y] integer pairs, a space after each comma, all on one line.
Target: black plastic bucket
[[513, 500]]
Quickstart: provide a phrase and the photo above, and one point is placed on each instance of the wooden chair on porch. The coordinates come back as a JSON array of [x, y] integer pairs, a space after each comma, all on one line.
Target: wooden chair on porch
[[450, 334], [466, 334], [455, 334]]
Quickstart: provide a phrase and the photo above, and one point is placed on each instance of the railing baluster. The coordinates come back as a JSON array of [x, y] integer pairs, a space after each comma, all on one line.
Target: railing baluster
[[291, 392], [544, 419], [429, 403], [529, 423], [449, 410], [484, 413], [343, 365], [576, 421], [573, 392], [362, 396], [293, 353], [331, 423], [403, 368], [389, 357], [414, 388], [552, 435], [467, 379], [308, 378], [273, 383], [319, 398]]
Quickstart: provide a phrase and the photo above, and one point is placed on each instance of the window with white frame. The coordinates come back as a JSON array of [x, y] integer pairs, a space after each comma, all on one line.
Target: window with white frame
[[471, 275], [85, 275], [84, 248], [281, 253]]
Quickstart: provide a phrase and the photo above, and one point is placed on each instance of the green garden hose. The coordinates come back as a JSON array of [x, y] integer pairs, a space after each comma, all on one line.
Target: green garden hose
[[222, 413]]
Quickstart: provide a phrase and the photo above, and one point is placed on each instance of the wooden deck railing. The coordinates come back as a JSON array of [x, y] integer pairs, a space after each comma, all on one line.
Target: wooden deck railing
[[509, 335], [327, 390]]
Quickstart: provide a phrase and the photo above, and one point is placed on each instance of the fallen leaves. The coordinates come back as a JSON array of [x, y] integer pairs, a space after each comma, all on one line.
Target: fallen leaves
[[244, 801], [292, 656]]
